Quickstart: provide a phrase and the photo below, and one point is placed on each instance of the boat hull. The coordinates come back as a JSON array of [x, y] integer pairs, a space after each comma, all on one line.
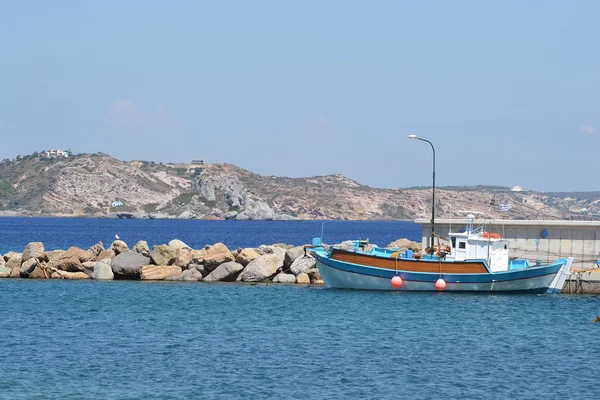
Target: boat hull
[[344, 275]]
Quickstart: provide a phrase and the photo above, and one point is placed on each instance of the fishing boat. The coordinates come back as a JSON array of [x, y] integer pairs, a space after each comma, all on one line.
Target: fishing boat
[[473, 260]]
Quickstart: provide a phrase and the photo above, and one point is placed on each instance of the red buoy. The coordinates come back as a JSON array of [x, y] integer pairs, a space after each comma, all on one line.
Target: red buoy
[[396, 281], [440, 284]]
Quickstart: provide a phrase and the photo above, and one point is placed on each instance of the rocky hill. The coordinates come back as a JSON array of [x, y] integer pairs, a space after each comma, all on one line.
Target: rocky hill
[[90, 184]]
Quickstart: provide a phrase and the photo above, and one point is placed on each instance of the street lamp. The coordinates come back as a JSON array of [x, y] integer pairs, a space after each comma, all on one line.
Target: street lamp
[[433, 193]]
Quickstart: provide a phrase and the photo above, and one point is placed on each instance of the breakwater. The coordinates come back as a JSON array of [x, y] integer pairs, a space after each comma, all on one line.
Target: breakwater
[[175, 261]]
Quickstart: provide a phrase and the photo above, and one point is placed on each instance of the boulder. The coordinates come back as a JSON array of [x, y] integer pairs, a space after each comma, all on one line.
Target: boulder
[[11, 254], [200, 268], [107, 261], [303, 279], [119, 247], [246, 255], [225, 272], [217, 255], [2, 262], [291, 255], [15, 272], [27, 267], [53, 257], [4, 272], [162, 255], [183, 257], [94, 251], [303, 265], [110, 253], [178, 244], [76, 252], [14, 262], [159, 272], [71, 264], [142, 248], [284, 278], [315, 276], [197, 256], [189, 275], [129, 264], [403, 244], [102, 272], [58, 274], [38, 273], [262, 268], [88, 267], [262, 250], [33, 250]]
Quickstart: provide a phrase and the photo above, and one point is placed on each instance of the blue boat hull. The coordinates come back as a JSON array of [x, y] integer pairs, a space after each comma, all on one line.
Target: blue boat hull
[[339, 274]]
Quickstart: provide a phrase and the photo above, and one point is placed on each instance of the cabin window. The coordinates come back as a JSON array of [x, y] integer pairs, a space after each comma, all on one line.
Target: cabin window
[[453, 242], [462, 245], [504, 247]]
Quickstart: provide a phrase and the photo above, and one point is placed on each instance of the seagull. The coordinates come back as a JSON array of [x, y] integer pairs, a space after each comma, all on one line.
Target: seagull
[[117, 237]]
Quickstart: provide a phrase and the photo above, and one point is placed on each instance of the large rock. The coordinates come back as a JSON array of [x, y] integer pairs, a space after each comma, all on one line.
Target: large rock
[[225, 272], [159, 272], [189, 275], [94, 251], [102, 272], [291, 255], [142, 248], [263, 249], [119, 247], [11, 254], [162, 255], [70, 264], [58, 274], [53, 257], [284, 278], [2, 262], [178, 244], [303, 279], [183, 257], [217, 255], [246, 255], [33, 250], [4, 272], [262, 268], [129, 264], [110, 253], [403, 244], [76, 252], [200, 268], [14, 262], [303, 265], [27, 267], [38, 273]]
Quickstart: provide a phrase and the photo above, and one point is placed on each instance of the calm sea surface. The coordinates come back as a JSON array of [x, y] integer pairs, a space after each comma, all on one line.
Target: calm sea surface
[[139, 340]]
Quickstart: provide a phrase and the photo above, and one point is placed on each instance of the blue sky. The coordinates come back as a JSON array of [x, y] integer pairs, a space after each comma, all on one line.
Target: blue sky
[[508, 91]]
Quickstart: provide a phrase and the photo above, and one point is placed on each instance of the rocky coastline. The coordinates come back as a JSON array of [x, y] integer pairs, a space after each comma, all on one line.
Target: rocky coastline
[[175, 261]]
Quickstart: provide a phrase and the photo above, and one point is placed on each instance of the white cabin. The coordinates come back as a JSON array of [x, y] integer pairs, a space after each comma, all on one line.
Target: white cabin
[[475, 246]]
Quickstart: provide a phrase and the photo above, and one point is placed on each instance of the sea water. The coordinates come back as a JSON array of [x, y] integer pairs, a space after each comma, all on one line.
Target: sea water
[[171, 340]]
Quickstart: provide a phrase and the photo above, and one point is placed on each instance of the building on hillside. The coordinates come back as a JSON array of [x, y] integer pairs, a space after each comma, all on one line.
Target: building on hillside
[[116, 203], [197, 162], [517, 189], [55, 153]]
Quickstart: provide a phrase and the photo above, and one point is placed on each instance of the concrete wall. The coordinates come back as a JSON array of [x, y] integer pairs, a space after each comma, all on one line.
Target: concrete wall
[[577, 239]]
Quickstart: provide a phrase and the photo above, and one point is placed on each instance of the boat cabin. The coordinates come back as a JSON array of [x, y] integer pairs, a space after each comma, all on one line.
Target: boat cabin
[[480, 246]]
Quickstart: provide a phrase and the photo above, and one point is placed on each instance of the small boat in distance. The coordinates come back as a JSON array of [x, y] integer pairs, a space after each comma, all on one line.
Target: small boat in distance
[[473, 261]]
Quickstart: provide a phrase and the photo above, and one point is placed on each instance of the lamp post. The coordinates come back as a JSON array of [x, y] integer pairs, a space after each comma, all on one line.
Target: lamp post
[[433, 187]]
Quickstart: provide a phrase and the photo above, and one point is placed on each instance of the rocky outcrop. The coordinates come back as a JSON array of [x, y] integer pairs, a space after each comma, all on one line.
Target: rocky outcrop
[[102, 272], [162, 255], [76, 252], [70, 264], [262, 268], [94, 251], [129, 264], [224, 272], [159, 272], [4, 271]]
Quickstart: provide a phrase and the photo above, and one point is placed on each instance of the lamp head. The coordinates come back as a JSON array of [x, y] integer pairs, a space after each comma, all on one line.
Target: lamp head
[[413, 137]]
